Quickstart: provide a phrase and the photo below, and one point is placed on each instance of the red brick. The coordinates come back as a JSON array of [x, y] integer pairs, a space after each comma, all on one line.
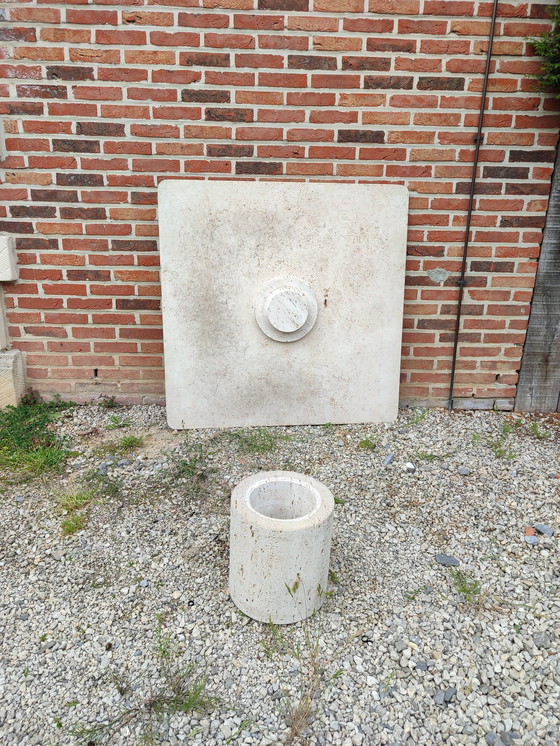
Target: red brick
[[149, 57], [333, 116], [359, 170], [143, 18], [313, 135], [151, 94], [153, 361], [337, 43], [281, 151], [154, 130], [174, 39], [332, 152], [259, 97], [338, 6], [176, 112], [37, 15], [92, 17], [445, 7], [413, 101], [282, 42], [391, 44], [221, 167], [20, 71], [259, 60], [383, 153], [124, 37], [258, 133], [386, 117], [311, 99], [38, 53], [280, 115], [65, 35], [229, 78], [369, 25], [445, 46], [205, 20], [397, 7], [283, 80], [229, 41], [97, 93]]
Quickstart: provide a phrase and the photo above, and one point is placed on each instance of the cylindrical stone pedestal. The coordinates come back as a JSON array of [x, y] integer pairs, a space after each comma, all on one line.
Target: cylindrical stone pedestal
[[280, 539]]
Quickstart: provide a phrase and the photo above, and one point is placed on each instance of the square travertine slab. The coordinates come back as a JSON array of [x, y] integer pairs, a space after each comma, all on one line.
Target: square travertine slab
[[282, 302]]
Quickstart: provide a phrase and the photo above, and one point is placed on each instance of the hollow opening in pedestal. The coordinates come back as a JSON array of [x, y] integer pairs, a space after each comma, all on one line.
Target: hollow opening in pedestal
[[284, 499]]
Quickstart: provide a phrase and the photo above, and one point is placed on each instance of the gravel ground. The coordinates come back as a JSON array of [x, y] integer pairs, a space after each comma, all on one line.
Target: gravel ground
[[405, 651]]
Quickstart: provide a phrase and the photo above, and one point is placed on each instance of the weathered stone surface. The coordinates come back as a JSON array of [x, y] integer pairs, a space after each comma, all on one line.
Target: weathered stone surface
[[8, 264], [222, 242], [12, 379]]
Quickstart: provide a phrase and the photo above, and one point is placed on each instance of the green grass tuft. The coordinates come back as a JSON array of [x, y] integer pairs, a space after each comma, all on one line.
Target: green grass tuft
[[182, 691], [28, 442], [369, 444], [115, 423], [73, 523], [253, 440], [120, 447], [76, 500], [537, 432], [129, 443], [466, 584]]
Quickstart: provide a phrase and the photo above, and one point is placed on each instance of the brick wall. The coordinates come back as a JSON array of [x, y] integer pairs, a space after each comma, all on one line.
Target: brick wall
[[100, 101]]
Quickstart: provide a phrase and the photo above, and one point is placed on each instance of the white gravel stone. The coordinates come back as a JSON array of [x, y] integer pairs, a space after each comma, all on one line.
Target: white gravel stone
[[79, 613]]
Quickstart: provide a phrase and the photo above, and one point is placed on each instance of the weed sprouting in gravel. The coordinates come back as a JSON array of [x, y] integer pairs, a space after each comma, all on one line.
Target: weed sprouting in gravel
[[192, 471], [73, 523], [300, 707], [28, 443], [130, 442], [253, 440], [75, 504], [368, 443], [508, 426], [498, 445], [411, 595], [108, 402], [181, 691], [466, 584], [426, 455], [72, 501], [500, 449], [193, 467], [103, 485], [417, 417], [120, 447], [299, 710], [537, 432], [115, 423]]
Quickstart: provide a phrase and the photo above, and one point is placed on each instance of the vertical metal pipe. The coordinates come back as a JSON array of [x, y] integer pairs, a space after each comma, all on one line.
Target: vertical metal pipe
[[478, 141]]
